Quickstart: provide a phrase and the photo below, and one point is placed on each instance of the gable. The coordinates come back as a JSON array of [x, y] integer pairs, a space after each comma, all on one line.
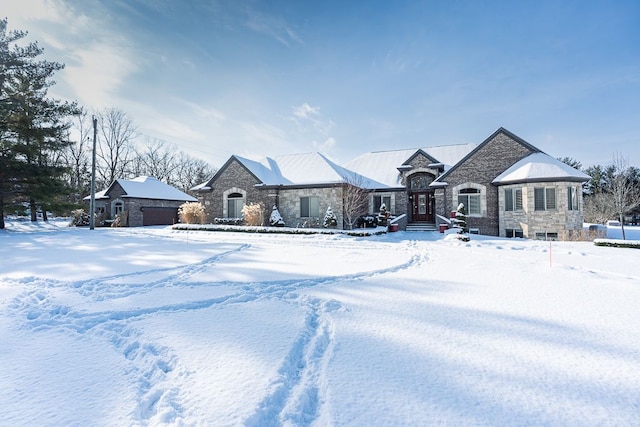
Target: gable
[[233, 172], [493, 156]]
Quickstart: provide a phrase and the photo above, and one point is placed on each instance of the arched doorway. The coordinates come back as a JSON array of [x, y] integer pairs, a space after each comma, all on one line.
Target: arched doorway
[[422, 198]]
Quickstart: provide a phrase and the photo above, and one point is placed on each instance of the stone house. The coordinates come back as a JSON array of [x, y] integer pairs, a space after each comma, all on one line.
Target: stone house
[[145, 200], [508, 186]]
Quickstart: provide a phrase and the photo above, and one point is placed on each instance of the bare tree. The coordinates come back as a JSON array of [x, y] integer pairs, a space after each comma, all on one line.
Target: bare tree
[[77, 155], [156, 158], [355, 200], [598, 208], [115, 151], [191, 172], [625, 196]]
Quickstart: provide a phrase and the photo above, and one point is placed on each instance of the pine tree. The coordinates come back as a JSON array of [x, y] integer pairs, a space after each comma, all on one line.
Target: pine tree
[[383, 216], [275, 220], [460, 221], [33, 127], [330, 220]]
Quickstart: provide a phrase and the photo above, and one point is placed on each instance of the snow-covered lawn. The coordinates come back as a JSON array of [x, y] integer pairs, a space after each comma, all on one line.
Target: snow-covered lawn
[[151, 326]]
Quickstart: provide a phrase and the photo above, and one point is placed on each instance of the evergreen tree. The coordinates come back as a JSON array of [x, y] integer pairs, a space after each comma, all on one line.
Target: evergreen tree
[[460, 221], [275, 220], [330, 220], [33, 127]]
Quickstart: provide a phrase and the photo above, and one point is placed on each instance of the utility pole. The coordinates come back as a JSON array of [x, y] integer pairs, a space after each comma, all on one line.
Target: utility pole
[[92, 203]]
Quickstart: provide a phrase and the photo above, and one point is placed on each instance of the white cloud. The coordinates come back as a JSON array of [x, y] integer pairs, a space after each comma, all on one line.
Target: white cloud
[[326, 146], [305, 113], [272, 26], [98, 60]]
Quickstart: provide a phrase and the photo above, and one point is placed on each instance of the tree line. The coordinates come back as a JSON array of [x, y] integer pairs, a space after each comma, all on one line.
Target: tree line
[[613, 192], [46, 145]]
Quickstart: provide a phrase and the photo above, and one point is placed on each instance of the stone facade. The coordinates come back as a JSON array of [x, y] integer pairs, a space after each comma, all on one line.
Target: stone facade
[[478, 170], [289, 205], [233, 176], [118, 200], [471, 178], [560, 222]]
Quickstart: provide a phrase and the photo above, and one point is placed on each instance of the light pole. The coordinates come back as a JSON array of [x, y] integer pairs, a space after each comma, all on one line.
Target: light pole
[[92, 203]]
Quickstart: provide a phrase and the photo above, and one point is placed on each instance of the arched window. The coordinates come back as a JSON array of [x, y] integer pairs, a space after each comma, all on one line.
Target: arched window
[[235, 202], [474, 197], [117, 207], [420, 182]]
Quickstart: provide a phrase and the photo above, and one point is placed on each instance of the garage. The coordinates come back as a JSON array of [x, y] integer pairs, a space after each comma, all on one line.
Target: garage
[[159, 216]]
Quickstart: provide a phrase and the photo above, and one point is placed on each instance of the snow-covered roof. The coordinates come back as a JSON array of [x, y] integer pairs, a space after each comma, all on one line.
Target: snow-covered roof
[[303, 169], [147, 187], [382, 166], [540, 167]]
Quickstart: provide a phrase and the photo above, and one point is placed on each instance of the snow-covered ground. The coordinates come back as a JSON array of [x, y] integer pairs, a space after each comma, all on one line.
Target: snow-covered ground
[[150, 326]]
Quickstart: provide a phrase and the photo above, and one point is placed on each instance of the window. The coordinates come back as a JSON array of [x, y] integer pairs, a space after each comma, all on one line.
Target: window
[[235, 203], [513, 233], [513, 199], [118, 207], [544, 198], [420, 182], [572, 199], [379, 200], [309, 207], [470, 197], [547, 236]]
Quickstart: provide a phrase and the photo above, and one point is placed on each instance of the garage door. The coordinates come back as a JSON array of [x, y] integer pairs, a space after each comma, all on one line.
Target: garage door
[[159, 216]]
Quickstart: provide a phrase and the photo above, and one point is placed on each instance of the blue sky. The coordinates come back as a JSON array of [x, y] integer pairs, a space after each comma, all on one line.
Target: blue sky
[[259, 78]]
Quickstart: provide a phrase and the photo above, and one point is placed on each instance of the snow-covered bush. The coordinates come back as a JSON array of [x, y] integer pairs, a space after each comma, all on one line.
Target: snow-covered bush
[[330, 220], [275, 220], [79, 218], [383, 216], [460, 220], [192, 213], [228, 221], [253, 214]]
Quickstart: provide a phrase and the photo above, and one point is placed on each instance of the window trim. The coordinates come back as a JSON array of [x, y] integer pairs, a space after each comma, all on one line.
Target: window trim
[[482, 192], [572, 198], [225, 200], [513, 199], [545, 202], [382, 197], [310, 209]]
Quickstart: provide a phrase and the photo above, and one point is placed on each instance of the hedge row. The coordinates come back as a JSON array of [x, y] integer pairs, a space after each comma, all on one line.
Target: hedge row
[[635, 244], [279, 230]]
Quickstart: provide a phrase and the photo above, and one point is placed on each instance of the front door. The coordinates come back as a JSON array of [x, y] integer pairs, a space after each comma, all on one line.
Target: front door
[[423, 207]]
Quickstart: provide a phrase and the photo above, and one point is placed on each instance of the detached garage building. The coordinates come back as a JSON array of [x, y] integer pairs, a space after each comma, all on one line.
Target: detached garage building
[[145, 201]]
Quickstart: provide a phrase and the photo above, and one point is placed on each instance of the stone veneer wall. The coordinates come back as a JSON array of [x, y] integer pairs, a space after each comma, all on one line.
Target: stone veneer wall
[[234, 176], [493, 158], [289, 204], [559, 220]]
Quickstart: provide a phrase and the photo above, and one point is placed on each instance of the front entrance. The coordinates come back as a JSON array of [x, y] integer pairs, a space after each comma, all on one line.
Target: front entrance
[[423, 207]]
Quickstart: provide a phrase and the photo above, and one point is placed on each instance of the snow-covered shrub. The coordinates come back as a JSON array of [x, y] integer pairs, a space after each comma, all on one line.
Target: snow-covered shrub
[[367, 221], [330, 220], [384, 215], [275, 220], [460, 220], [192, 213], [228, 221], [253, 214], [79, 218]]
